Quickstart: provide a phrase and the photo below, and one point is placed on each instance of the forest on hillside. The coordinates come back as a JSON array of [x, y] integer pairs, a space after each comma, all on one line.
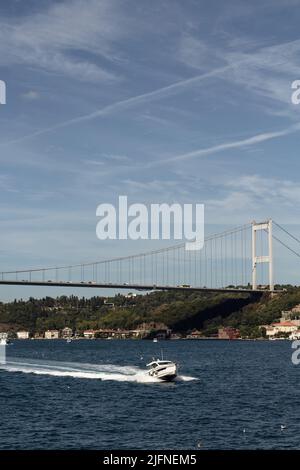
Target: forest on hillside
[[181, 311]]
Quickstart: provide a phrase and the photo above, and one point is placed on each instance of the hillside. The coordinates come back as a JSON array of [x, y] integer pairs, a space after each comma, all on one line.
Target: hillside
[[181, 311]]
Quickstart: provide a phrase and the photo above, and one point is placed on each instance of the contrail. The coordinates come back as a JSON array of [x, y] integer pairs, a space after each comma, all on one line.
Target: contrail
[[123, 104], [229, 145], [158, 93]]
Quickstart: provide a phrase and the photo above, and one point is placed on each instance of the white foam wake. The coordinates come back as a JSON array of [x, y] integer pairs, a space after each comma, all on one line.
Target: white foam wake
[[85, 371]]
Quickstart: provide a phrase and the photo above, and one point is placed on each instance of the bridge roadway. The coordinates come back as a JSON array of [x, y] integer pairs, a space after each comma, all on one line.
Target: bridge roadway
[[145, 287]]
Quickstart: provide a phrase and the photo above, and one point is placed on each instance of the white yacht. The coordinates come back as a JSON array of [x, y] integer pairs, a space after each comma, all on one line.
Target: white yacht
[[163, 370]]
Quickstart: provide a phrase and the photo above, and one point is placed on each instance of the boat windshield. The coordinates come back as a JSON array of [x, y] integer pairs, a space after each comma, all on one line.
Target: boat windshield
[[158, 363], [152, 364]]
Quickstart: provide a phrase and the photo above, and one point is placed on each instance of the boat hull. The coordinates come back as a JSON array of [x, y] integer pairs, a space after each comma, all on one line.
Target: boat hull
[[168, 378], [165, 374]]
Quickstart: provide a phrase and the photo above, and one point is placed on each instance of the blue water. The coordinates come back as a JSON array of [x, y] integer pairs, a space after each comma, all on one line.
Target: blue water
[[230, 395]]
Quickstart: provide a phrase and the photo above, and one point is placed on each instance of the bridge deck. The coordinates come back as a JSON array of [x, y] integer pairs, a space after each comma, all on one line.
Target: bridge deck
[[128, 286]]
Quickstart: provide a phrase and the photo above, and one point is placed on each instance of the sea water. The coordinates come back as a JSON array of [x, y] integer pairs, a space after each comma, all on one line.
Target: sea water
[[97, 395]]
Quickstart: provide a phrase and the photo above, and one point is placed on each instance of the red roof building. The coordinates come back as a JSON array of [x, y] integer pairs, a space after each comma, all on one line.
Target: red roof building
[[228, 333]]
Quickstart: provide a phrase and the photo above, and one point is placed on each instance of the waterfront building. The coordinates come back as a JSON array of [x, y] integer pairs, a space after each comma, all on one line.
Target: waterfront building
[[23, 334], [51, 334], [38, 336], [228, 333], [175, 336], [295, 335], [67, 332], [89, 334], [281, 327], [195, 334]]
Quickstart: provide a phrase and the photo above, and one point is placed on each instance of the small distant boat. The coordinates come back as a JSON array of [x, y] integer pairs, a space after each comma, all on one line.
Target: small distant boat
[[4, 341], [163, 370], [155, 340], [69, 340]]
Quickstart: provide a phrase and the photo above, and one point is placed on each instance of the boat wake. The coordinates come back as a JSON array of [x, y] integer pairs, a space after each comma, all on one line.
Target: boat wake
[[85, 371]]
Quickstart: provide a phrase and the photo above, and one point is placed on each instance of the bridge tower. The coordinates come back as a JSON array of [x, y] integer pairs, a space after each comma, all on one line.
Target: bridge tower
[[267, 227]]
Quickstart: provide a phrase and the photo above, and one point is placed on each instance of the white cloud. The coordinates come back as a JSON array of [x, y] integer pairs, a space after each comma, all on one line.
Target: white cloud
[[272, 190], [31, 95], [198, 54], [267, 72], [116, 158], [49, 40], [254, 197], [7, 184]]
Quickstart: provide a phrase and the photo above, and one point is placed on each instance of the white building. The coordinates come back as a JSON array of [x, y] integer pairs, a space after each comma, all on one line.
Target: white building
[[23, 334], [51, 334], [282, 327], [89, 334], [67, 332], [295, 335]]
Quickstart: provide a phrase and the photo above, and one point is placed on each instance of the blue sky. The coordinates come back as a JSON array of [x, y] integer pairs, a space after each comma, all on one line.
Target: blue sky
[[164, 101]]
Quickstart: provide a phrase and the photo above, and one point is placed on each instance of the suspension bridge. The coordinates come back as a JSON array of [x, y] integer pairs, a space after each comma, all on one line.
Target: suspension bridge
[[236, 260]]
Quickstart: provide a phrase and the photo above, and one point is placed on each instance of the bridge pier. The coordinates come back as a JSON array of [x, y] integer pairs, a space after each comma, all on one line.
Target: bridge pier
[[267, 227]]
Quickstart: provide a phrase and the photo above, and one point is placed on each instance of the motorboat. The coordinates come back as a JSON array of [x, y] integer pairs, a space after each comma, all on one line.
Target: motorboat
[[4, 341], [163, 370], [155, 340]]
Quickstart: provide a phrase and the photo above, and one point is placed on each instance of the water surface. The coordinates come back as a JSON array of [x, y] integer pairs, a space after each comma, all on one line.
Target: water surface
[[95, 395]]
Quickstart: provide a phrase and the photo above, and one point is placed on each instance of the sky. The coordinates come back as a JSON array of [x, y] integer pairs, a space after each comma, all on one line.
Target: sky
[[163, 101]]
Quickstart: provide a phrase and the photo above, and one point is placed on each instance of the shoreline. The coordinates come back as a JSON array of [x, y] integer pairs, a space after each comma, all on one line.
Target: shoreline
[[151, 340]]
